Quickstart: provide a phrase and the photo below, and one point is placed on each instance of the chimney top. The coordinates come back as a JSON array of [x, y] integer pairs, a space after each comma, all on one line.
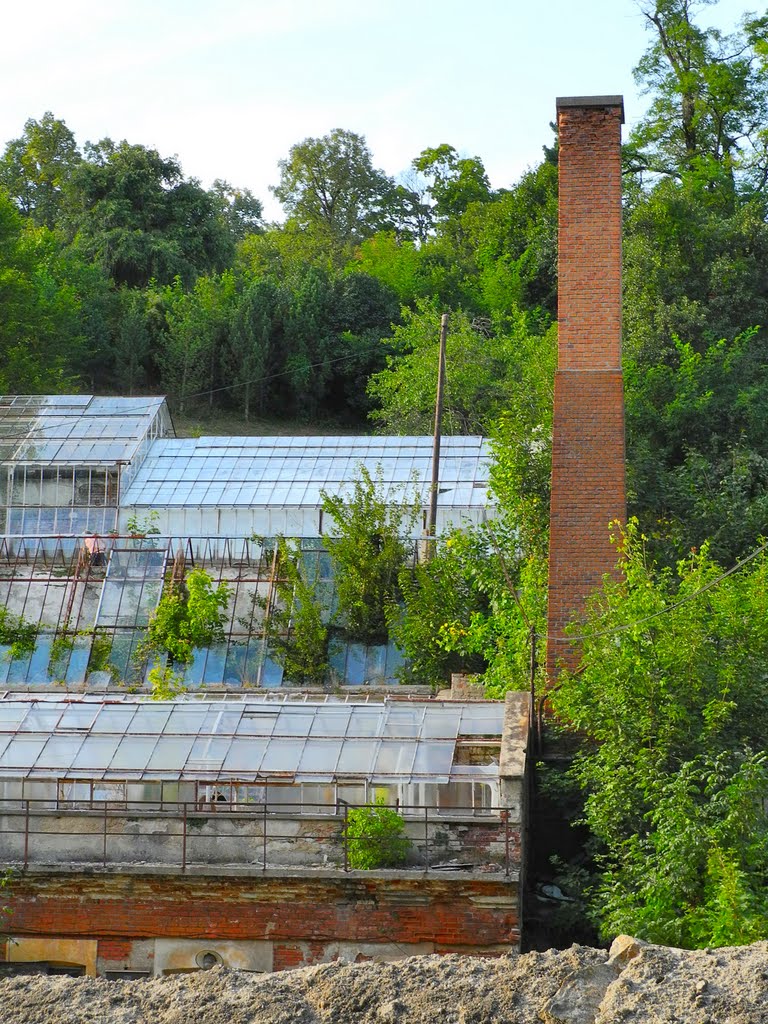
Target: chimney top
[[591, 101]]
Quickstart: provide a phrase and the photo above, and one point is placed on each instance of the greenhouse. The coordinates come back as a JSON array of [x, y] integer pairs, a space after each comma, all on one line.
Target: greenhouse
[[66, 460], [105, 512], [63, 750], [268, 781], [264, 486], [74, 464]]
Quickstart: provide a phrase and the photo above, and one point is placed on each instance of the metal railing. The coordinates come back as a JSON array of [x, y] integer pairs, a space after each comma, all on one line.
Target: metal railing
[[184, 835]]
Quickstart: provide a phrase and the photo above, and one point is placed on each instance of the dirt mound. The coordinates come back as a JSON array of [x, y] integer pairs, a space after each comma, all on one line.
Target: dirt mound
[[638, 985]]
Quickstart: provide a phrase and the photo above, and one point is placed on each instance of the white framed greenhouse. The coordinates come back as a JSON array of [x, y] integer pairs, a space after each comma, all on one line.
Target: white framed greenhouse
[[265, 486], [65, 460], [287, 753], [77, 464]]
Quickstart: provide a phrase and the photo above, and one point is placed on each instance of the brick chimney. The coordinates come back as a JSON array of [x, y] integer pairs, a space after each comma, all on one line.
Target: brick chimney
[[588, 475]]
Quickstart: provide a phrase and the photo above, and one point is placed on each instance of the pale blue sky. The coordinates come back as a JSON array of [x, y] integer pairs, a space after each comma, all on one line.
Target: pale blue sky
[[230, 85]]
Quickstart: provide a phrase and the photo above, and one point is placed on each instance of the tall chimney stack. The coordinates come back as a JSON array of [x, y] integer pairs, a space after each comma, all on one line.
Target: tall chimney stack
[[588, 474]]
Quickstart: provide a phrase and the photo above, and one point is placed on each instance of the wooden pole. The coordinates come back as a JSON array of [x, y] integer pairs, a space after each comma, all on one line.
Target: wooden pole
[[432, 519]]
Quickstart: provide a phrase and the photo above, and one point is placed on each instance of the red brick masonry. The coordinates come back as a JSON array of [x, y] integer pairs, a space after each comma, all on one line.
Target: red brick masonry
[[300, 916], [588, 471]]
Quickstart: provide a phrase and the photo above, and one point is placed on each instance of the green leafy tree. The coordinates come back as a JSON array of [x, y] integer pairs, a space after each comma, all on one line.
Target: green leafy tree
[[40, 326], [698, 458], [671, 699], [454, 182], [36, 168], [131, 342], [239, 208], [369, 543], [298, 627], [197, 323], [709, 103], [437, 595], [189, 614], [133, 212], [329, 187], [254, 331], [484, 362]]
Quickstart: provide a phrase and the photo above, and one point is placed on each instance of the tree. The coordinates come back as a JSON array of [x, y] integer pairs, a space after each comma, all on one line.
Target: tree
[[37, 167], [253, 326], [454, 182], [40, 327], [131, 341], [189, 614], [298, 625], [242, 212], [483, 364], [369, 542], [196, 326], [330, 187], [670, 698], [710, 97], [698, 457], [133, 212]]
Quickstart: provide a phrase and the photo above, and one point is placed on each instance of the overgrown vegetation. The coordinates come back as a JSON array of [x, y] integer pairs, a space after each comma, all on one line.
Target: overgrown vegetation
[[297, 621], [671, 697], [190, 614], [375, 837], [369, 542], [19, 635]]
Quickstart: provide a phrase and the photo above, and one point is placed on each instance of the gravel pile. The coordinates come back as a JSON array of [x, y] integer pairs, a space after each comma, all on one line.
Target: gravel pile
[[634, 984]]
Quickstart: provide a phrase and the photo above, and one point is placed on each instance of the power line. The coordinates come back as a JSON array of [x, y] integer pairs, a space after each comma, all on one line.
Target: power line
[[61, 418], [662, 611]]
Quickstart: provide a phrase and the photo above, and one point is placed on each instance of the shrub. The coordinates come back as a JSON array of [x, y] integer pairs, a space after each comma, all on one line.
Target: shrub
[[375, 837]]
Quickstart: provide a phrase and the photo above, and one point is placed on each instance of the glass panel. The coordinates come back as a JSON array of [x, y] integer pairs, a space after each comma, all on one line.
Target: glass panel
[[112, 719], [364, 722], [356, 758], [258, 723], [245, 755], [185, 721], [170, 754], [208, 749], [441, 723], [58, 752], [282, 755], [218, 720], [133, 753], [149, 719], [294, 722], [11, 715], [22, 752], [331, 721], [78, 716], [404, 722], [320, 756], [482, 720], [434, 758], [394, 758], [96, 752], [41, 719]]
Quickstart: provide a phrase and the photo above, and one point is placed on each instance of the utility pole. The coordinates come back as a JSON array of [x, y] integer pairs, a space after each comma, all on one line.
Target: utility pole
[[432, 519]]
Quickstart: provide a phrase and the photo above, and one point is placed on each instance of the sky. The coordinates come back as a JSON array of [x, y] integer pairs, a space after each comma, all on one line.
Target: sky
[[229, 86]]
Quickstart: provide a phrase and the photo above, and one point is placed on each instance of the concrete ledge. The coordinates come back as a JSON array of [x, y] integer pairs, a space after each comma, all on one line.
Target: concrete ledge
[[563, 102], [241, 871]]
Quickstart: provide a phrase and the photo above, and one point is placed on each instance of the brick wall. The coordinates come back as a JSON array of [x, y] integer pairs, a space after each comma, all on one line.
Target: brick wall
[[302, 917], [588, 470]]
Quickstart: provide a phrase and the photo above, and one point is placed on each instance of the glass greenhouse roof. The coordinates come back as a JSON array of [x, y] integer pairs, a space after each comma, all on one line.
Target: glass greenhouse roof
[[73, 429], [252, 738], [292, 471]]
